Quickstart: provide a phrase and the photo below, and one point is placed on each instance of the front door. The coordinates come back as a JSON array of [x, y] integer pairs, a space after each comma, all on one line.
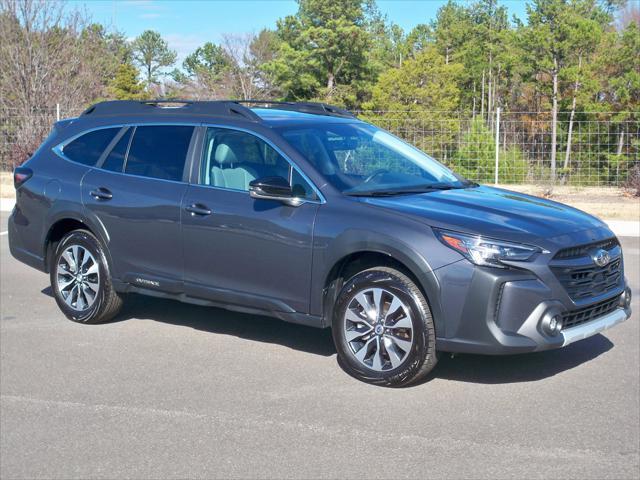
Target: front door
[[253, 253]]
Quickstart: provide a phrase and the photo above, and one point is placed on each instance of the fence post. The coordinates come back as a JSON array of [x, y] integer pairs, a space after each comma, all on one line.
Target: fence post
[[57, 112], [497, 143]]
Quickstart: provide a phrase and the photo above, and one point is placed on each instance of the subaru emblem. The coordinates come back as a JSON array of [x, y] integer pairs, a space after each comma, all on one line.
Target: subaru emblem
[[601, 258]]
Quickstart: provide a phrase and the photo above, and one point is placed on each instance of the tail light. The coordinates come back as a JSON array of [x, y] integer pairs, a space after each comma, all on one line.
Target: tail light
[[21, 175]]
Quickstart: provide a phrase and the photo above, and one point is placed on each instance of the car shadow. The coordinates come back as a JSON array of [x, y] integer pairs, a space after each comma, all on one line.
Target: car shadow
[[224, 322], [463, 368], [528, 367]]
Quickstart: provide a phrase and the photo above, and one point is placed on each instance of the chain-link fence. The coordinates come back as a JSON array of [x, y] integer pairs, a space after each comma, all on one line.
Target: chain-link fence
[[592, 149], [21, 134]]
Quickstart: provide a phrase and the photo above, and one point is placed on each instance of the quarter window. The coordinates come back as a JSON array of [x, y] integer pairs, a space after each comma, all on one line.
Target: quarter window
[[159, 151], [87, 148]]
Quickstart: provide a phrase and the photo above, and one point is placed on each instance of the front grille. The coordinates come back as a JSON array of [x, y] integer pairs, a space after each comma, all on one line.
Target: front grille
[[589, 281], [581, 277], [586, 314], [583, 250]]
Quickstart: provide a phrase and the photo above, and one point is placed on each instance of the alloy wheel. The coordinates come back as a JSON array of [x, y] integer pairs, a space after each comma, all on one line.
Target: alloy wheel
[[78, 277], [378, 329]]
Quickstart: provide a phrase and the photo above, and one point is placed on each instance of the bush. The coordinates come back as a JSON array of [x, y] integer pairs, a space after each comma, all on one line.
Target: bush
[[632, 185], [476, 157]]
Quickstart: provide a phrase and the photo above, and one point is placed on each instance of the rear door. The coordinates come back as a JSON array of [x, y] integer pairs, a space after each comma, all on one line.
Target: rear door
[[136, 193]]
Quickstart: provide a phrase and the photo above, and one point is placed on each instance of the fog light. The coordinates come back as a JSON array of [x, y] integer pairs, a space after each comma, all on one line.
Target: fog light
[[625, 298], [552, 324]]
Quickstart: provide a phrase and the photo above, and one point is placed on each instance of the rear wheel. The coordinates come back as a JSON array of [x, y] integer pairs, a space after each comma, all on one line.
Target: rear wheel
[[81, 280], [383, 329]]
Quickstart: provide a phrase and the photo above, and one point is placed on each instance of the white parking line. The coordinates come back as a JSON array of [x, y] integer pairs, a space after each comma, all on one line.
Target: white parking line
[[3, 233]]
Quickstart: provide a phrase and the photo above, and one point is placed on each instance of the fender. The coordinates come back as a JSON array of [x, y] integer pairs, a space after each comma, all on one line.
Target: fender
[[355, 241], [67, 210]]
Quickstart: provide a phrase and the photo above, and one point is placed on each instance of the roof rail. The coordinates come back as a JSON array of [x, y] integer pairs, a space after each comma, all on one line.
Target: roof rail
[[303, 107], [218, 108]]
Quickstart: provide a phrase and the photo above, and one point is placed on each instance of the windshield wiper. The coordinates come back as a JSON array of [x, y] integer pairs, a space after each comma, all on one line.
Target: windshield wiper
[[390, 193], [410, 190]]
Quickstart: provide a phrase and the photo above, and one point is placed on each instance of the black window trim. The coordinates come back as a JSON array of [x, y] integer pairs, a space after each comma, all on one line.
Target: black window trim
[[193, 162], [103, 158], [59, 149], [198, 163]]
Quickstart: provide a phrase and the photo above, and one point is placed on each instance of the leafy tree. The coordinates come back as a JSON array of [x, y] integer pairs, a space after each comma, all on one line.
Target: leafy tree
[[419, 38], [152, 53], [620, 73], [475, 158], [125, 85], [452, 28], [322, 46], [424, 95], [263, 49], [556, 30], [620, 89], [209, 60], [423, 83]]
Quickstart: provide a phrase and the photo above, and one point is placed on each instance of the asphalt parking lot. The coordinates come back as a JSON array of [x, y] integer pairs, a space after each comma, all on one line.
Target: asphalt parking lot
[[178, 391]]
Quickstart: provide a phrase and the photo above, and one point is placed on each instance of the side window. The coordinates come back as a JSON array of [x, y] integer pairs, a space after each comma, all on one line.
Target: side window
[[87, 148], [115, 160], [159, 151], [232, 159]]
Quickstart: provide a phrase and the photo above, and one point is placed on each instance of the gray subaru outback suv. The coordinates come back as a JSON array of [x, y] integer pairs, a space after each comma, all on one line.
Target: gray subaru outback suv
[[302, 212]]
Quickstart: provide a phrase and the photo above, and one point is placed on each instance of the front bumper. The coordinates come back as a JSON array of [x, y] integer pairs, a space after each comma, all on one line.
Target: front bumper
[[508, 311], [595, 326]]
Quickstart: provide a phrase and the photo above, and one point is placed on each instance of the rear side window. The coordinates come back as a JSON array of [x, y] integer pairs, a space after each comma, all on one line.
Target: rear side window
[[87, 148], [115, 160], [159, 151]]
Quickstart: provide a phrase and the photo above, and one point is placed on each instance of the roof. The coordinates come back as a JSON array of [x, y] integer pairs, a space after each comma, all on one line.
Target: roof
[[281, 118], [258, 111]]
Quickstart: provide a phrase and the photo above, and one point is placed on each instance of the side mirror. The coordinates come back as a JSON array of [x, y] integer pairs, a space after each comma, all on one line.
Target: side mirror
[[273, 188]]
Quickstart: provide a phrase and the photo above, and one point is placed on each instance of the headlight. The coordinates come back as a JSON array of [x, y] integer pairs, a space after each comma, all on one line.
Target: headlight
[[486, 252]]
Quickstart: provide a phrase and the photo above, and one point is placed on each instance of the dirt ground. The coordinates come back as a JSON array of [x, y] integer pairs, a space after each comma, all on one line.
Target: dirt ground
[[604, 202], [6, 185]]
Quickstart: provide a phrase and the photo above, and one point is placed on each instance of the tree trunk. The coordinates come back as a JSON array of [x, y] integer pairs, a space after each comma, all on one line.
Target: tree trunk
[[621, 142], [567, 155], [482, 98], [619, 153], [554, 119], [330, 81], [474, 100]]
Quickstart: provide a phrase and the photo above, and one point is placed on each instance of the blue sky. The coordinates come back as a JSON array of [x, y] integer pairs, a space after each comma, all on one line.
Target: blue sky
[[187, 24]]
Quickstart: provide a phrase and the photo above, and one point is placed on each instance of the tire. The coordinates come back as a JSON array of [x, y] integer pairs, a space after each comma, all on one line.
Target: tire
[[96, 301], [400, 333]]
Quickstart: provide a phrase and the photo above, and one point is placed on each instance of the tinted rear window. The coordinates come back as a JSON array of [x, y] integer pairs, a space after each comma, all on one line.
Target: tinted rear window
[[159, 151], [87, 148], [115, 159]]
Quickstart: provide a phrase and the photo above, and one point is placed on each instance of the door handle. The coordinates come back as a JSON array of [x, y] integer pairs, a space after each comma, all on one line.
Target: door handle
[[198, 209], [101, 194]]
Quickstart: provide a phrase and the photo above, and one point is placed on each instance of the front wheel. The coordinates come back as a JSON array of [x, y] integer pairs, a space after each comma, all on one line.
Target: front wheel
[[383, 329], [81, 280]]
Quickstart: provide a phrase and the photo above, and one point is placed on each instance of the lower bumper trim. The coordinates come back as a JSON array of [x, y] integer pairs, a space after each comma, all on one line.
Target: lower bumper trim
[[593, 327]]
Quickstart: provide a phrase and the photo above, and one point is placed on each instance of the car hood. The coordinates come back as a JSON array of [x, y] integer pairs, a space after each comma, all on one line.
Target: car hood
[[498, 213]]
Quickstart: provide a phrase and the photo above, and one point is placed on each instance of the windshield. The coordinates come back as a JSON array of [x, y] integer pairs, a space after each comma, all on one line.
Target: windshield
[[360, 159]]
